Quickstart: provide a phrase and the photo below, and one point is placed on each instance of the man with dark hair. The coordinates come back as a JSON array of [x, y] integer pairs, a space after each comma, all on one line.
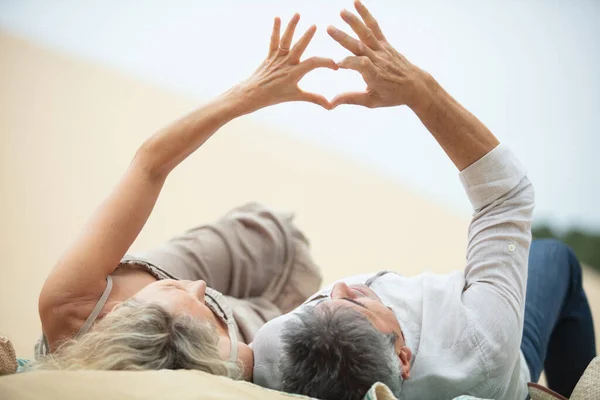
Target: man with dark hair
[[346, 343], [439, 336]]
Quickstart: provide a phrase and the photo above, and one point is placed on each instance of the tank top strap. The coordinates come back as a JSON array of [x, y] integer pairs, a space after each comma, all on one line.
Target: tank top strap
[[87, 325]]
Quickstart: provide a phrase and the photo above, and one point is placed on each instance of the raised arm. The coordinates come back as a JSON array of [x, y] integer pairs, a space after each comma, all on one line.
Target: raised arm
[[392, 81], [501, 194], [80, 274]]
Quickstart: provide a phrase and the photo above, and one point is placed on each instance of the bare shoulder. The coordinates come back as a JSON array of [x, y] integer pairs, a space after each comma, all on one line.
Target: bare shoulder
[[62, 321], [65, 304], [64, 312]]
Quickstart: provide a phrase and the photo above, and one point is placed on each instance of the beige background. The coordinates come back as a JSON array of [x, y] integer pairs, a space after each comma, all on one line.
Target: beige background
[[69, 128]]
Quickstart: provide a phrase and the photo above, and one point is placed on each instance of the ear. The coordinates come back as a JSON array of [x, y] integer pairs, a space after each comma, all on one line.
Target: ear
[[405, 356]]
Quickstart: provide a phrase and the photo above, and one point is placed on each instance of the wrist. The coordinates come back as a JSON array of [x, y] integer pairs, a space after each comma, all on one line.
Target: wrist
[[425, 90], [244, 98], [239, 100]]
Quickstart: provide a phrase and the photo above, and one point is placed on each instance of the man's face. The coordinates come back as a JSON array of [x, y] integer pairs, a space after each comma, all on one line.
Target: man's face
[[364, 300]]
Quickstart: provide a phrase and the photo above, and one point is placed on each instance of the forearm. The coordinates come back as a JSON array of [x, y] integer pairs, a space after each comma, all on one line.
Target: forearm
[[161, 153], [462, 136], [117, 222]]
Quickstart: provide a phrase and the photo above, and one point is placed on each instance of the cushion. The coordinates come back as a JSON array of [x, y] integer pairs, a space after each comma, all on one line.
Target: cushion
[[588, 387], [146, 385]]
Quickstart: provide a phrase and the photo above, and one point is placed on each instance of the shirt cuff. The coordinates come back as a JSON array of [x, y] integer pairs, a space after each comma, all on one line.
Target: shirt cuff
[[492, 176]]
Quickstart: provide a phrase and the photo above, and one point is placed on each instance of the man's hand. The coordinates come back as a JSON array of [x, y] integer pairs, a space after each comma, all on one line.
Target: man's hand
[[391, 79]]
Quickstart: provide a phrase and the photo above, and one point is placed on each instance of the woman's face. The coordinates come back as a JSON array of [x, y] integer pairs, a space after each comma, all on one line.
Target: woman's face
[[178, 297], [187, 297]]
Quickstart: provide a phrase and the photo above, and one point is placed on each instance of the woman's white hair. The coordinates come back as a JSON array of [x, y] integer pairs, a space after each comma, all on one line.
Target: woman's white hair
[[143, 336]]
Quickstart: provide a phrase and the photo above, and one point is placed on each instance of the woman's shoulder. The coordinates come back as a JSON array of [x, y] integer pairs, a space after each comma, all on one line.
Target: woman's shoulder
[[63, 315], [65, 303], [62, 321]]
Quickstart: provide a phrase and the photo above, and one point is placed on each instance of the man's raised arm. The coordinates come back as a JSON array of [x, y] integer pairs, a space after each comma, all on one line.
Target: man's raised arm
[[392, 80], [496, 183]]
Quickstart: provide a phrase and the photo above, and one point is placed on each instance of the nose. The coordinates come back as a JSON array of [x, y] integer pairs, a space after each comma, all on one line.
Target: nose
[[341, 290], [198, 289]]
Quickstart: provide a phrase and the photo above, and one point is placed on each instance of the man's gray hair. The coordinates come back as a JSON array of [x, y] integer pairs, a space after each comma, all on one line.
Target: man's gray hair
[[336, 354]]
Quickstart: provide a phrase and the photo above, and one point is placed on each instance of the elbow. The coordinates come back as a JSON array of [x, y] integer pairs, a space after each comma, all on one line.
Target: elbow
[[147, 160], [522, 196], [528, 196], [523, 206], [529, 191]]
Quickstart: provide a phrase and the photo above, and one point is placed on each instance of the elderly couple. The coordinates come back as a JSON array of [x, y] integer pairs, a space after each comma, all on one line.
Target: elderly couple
[[237, 297]]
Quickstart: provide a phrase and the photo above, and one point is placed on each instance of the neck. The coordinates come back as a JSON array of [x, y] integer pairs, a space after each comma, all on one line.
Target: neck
[[220, 325]]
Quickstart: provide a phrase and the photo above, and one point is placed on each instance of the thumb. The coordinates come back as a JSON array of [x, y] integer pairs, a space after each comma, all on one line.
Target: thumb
[[357, 98], [316, 99]]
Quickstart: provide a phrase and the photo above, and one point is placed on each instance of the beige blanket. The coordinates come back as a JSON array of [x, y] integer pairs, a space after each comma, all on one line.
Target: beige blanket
[[147, 385]]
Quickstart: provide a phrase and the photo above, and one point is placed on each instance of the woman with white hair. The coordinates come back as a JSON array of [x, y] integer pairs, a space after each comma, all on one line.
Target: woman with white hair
[[196, 301]]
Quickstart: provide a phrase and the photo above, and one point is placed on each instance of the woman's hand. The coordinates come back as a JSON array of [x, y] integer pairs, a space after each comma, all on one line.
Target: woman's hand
[[276, 79]]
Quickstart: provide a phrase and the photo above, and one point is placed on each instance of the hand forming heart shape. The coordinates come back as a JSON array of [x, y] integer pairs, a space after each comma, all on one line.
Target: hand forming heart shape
[[391, 79]]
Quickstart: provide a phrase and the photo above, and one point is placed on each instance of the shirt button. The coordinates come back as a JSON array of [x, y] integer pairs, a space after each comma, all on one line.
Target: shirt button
[[511, 247]]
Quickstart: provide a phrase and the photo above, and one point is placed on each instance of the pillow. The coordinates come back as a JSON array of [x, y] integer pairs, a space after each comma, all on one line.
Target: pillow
[[117, 385], [146, 385]]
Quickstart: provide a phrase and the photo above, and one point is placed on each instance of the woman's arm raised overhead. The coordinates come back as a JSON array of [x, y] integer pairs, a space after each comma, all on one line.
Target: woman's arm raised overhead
[[80, 274]]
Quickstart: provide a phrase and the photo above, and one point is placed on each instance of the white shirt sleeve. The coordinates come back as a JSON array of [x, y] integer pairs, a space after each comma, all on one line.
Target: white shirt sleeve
[[498, 251]]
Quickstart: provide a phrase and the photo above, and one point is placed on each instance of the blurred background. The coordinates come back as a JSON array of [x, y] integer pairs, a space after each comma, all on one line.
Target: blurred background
[[83, 83]]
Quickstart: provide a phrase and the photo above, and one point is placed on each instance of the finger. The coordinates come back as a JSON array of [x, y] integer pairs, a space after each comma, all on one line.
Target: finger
[[357, 98], [315, 98], [288, 35], [274, 45], [364, 33], [317, 62], [370, 21], [355, 46], [301, 45], [360, 64]]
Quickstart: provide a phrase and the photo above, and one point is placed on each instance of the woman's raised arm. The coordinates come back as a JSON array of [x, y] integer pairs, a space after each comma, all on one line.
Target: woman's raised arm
[[80, 274]]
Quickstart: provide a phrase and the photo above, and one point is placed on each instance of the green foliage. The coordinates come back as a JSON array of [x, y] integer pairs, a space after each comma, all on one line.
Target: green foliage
[[585, 244]]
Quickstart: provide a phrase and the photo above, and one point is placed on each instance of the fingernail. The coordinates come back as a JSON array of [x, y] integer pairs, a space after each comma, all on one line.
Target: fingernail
[[332, 30]]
